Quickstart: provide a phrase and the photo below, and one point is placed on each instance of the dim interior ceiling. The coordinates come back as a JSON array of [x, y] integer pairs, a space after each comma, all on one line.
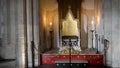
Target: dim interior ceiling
[[88, 4], [50, 5]]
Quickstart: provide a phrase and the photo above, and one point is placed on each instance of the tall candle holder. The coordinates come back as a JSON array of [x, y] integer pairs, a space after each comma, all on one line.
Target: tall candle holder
[[51, 34], [92, 37], [96, 40], [92, 30]]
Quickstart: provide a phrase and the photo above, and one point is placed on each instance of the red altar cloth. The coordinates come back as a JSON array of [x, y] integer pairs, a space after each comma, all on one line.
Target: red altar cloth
[[93, 59]]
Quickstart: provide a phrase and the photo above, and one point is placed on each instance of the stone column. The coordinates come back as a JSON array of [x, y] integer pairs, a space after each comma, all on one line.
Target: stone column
[[20, 61], [115, 33], [107, 22], [36, 29], [4, 39], [29, 29]]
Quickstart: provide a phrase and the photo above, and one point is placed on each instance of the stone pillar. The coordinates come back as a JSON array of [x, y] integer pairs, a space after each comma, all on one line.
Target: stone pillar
[[32, 16], [107, 22], [1, 25], [7, 29], [4, 39], [29, 29], [12, 20], [20, 61], [36, 30], [115, 33], [111, 9]]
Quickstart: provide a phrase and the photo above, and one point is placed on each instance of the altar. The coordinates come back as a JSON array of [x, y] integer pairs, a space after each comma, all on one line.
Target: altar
[[69, 52], [52, 56]]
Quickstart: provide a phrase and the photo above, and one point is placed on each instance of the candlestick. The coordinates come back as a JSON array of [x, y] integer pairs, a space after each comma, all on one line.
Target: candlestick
[[96, 38], [51, 35], [50, 26], [93, 24], [92, 37]]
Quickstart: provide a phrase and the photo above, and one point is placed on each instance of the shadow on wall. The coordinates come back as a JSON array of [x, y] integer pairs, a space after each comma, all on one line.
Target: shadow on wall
[[0, 48], [0, 42]]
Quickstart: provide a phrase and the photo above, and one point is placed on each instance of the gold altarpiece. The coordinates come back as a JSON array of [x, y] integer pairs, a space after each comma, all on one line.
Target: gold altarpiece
[[69, 21], [70, 36]]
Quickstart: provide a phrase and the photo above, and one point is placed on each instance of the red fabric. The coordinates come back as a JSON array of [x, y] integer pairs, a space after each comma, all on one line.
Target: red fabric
[[91, 58]]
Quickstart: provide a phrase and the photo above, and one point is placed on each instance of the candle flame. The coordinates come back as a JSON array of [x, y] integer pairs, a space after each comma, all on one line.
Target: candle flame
[[92, 22], [50, 23]]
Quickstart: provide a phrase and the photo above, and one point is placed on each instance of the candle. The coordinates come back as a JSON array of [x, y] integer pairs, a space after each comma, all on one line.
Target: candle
[[50, 24], [93, 27]]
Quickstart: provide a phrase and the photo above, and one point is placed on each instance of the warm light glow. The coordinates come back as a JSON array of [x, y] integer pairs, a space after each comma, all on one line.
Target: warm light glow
[[93, 24], [50, 26], [98, 20], [44, 20], [50, 23]]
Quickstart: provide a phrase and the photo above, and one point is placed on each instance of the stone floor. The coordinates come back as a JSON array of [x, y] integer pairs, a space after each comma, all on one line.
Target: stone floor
[[7, 64], [53, 66], [12, 64]]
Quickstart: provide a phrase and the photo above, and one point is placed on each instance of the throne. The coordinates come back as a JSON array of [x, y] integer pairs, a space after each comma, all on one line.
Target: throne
[[70, 35]]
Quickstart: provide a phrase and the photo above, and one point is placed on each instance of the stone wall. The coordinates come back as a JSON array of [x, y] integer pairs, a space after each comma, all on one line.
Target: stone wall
[[112, 30], [13, 16], [7, 29], [111, 20], [108, 13]]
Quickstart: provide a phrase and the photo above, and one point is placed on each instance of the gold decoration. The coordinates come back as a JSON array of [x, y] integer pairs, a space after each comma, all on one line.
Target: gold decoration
[[69, 29], [69, 51], [69, 25]]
